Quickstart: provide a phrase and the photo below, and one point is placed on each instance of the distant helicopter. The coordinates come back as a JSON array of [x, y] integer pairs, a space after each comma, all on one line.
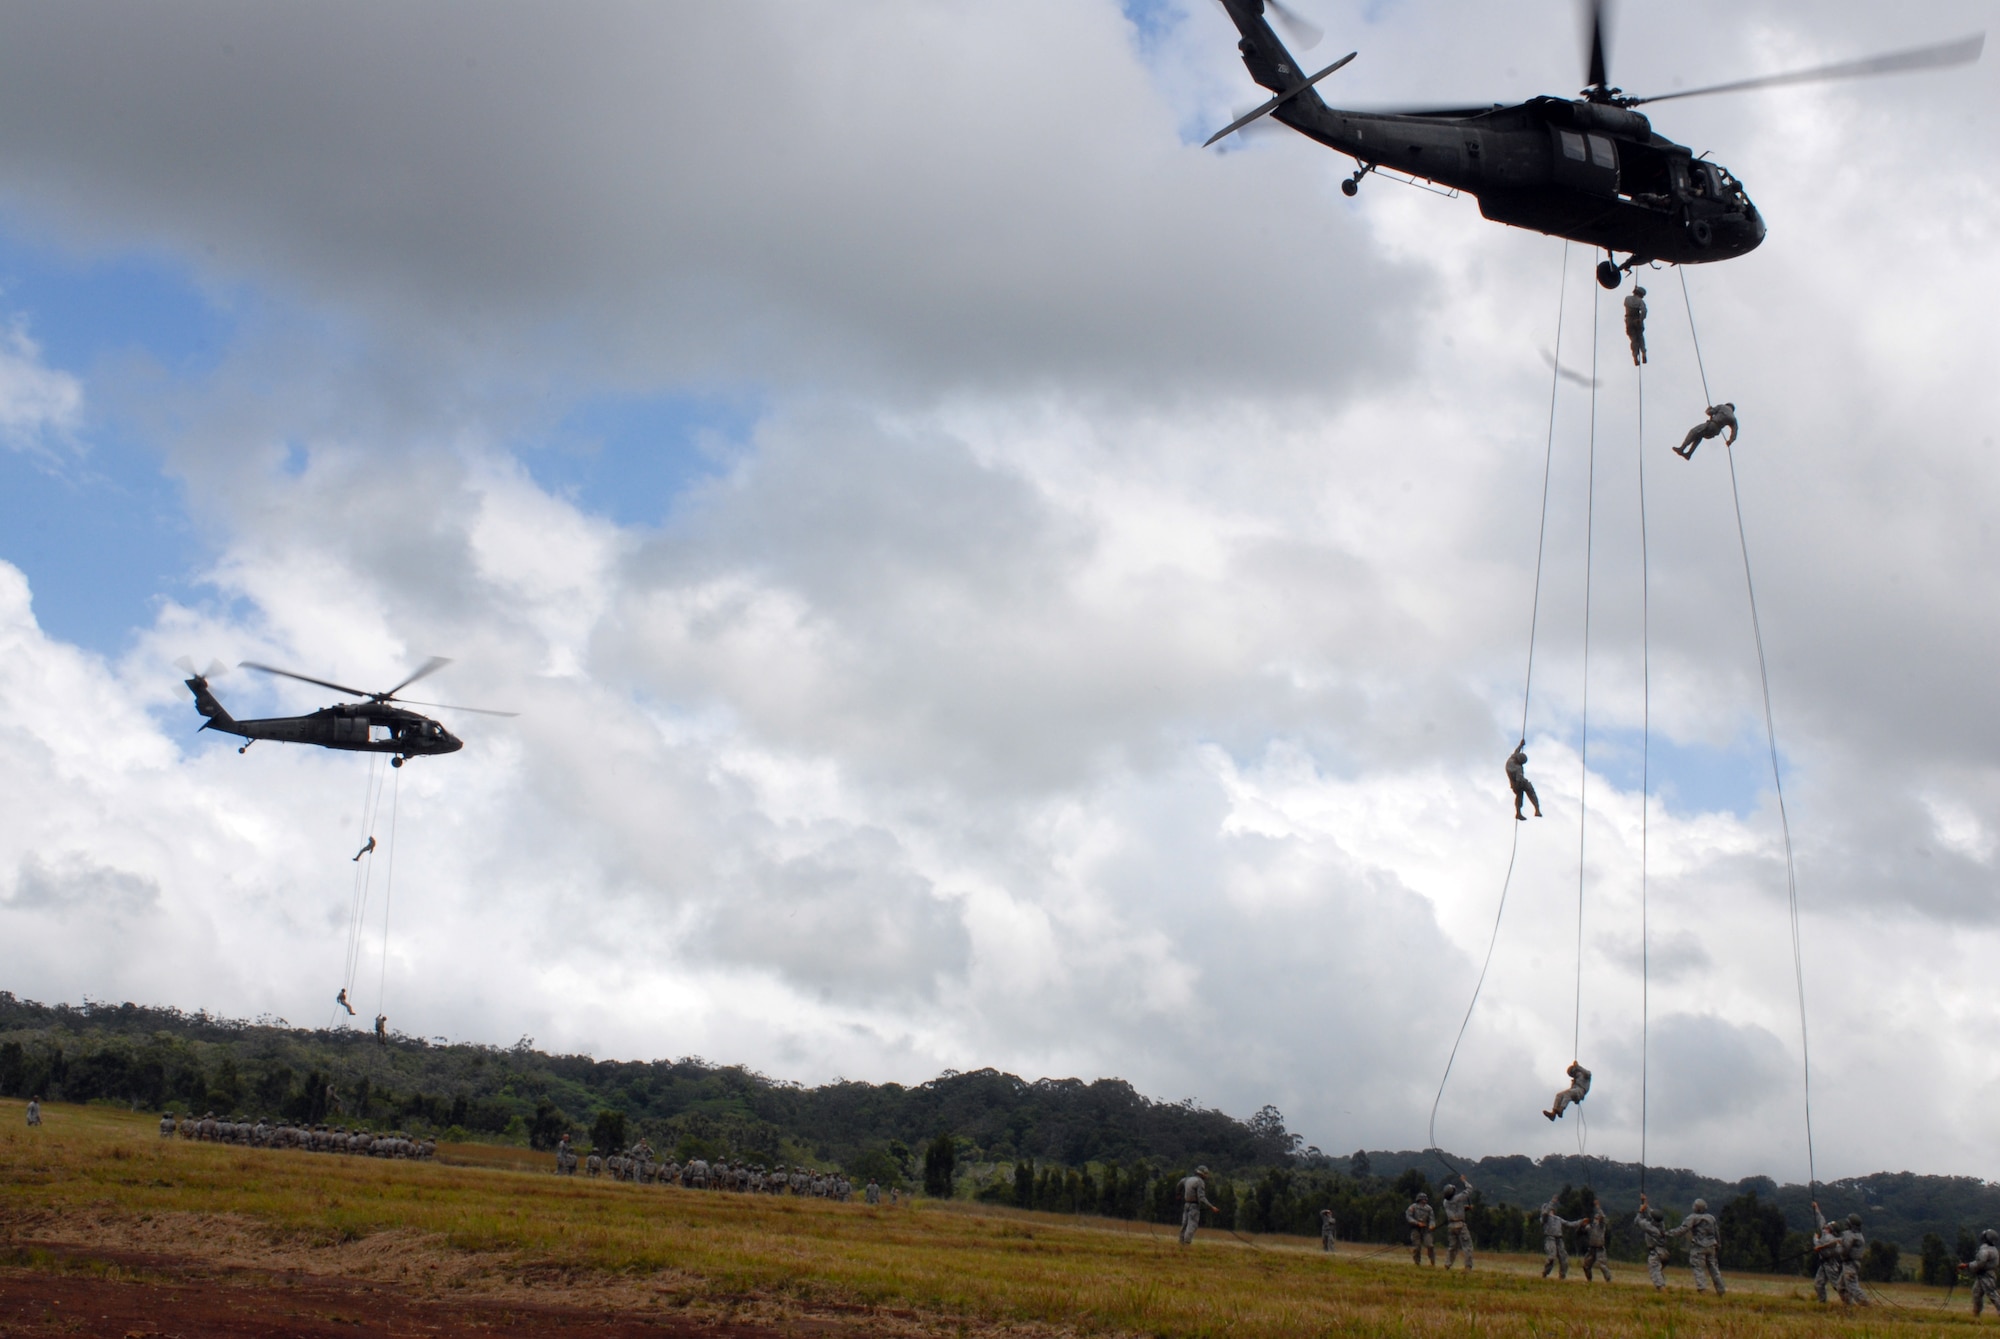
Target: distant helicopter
[[372, 725], [1589, 169]]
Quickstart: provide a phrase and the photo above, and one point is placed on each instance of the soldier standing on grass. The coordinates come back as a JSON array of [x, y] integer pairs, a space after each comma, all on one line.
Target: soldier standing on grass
[[1594, 1253], [1194, 1198], [1326, 1229], [34, 1112], [1984, 1271], [1655, 1234], [1555, 1251], [1458, 1237], [1704, 1236], [1422, 1218]]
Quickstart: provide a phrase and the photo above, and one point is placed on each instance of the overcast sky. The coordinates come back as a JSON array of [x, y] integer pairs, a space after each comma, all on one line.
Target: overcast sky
[[988, 582]]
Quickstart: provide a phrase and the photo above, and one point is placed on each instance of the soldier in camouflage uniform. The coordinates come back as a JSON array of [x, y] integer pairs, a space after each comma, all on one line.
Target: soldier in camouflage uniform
[[1984, 1271], [1635, 324], [1194, 1198], [1655, 1235], [1720, 417], [1853, 1246], [1421, 1218], [1517, 778], [1326, 1229], [1826, 1254], [1457, 1236], [1704, 1236], [1595, 1253], [1555, 1251], [1579, 1088]]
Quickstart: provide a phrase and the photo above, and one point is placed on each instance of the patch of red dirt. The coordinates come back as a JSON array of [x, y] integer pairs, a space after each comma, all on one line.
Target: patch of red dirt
[[128, 1296]]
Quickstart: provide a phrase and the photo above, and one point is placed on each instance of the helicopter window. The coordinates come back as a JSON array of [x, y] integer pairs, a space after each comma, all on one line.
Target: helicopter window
[[1602, 153], [1572, 144], [379, 733]]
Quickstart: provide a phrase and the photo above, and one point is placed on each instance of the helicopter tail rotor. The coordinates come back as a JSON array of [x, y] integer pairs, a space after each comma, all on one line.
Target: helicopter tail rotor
[[1297, 27], [216, 669]]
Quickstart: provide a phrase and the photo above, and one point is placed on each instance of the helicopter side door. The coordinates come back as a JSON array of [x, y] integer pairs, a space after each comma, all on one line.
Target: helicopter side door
[[1585, 161]]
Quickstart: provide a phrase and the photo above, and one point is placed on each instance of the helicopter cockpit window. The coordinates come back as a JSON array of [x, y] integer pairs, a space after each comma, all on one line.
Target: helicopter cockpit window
[[1601, 152], [1572, 145]]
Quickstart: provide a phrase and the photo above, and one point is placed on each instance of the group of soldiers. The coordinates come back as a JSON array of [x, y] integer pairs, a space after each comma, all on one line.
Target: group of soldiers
[[283, 1134], [638, 1165]]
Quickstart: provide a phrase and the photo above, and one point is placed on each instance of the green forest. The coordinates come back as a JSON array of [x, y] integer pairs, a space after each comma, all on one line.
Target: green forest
[[1060, 1145]]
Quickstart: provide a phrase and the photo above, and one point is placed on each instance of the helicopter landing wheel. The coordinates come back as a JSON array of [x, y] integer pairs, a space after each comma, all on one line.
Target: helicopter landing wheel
[[1609, 275], [395, 762], [1350, 188]]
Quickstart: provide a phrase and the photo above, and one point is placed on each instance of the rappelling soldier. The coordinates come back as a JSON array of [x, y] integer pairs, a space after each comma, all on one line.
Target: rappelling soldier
[[1635, 324], [1654, 1233], [1984, 1271], [1457, 1236], [1579, 1088], [1421, 1218], [1555, 1251], [369, 845], [341, 1000], [1517, 777], [382, 1028], [1327, 1230], [1194, 1198], [1595, 1252], [1720, 417], [1704, 1236]]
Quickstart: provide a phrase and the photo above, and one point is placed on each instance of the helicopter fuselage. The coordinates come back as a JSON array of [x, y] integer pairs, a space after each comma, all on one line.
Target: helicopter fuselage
[[359, 727], [1591, 172]]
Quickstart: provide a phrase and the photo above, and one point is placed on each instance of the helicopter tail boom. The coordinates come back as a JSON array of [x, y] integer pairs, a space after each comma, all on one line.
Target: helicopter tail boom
[[218, 718]]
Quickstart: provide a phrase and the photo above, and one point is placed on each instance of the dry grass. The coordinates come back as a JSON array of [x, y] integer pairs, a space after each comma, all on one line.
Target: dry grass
[[104, 1179]]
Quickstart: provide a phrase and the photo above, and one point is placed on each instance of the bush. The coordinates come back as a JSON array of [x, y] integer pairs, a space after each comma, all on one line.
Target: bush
[[1878, 1263], [940, 1159], [607, 1132]]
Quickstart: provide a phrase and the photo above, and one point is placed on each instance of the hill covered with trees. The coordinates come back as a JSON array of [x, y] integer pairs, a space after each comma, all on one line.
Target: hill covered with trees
[[1053, 1144]]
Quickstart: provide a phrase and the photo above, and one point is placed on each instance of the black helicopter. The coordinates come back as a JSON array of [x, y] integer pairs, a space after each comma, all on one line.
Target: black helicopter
[[373, 725], [1587, 168]]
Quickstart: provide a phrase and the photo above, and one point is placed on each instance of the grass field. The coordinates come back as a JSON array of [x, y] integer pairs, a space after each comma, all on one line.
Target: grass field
[[475, 1227]]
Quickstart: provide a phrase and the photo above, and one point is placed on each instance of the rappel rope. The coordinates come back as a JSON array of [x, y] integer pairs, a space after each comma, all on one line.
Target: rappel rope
[[1771, 739], [1645, 778], [1527, 688], [388, 891], [364, 869], [1583, 743]]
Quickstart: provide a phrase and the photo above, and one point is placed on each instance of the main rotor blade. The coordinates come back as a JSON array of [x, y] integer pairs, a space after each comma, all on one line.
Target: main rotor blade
[[1274, 103], [428, 668], [1598, 75], [1964, 51], [1300, 29], [307, 678], [446, 706]]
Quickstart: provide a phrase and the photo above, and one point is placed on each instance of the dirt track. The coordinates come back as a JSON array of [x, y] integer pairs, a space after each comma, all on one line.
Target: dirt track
[[51, 1289]]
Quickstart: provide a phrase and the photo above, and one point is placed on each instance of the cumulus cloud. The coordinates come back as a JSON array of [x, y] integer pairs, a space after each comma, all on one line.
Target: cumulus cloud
[[1098, 655]]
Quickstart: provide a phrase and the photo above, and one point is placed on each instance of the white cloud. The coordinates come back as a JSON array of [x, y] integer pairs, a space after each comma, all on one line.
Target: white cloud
[[1100, 655]]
